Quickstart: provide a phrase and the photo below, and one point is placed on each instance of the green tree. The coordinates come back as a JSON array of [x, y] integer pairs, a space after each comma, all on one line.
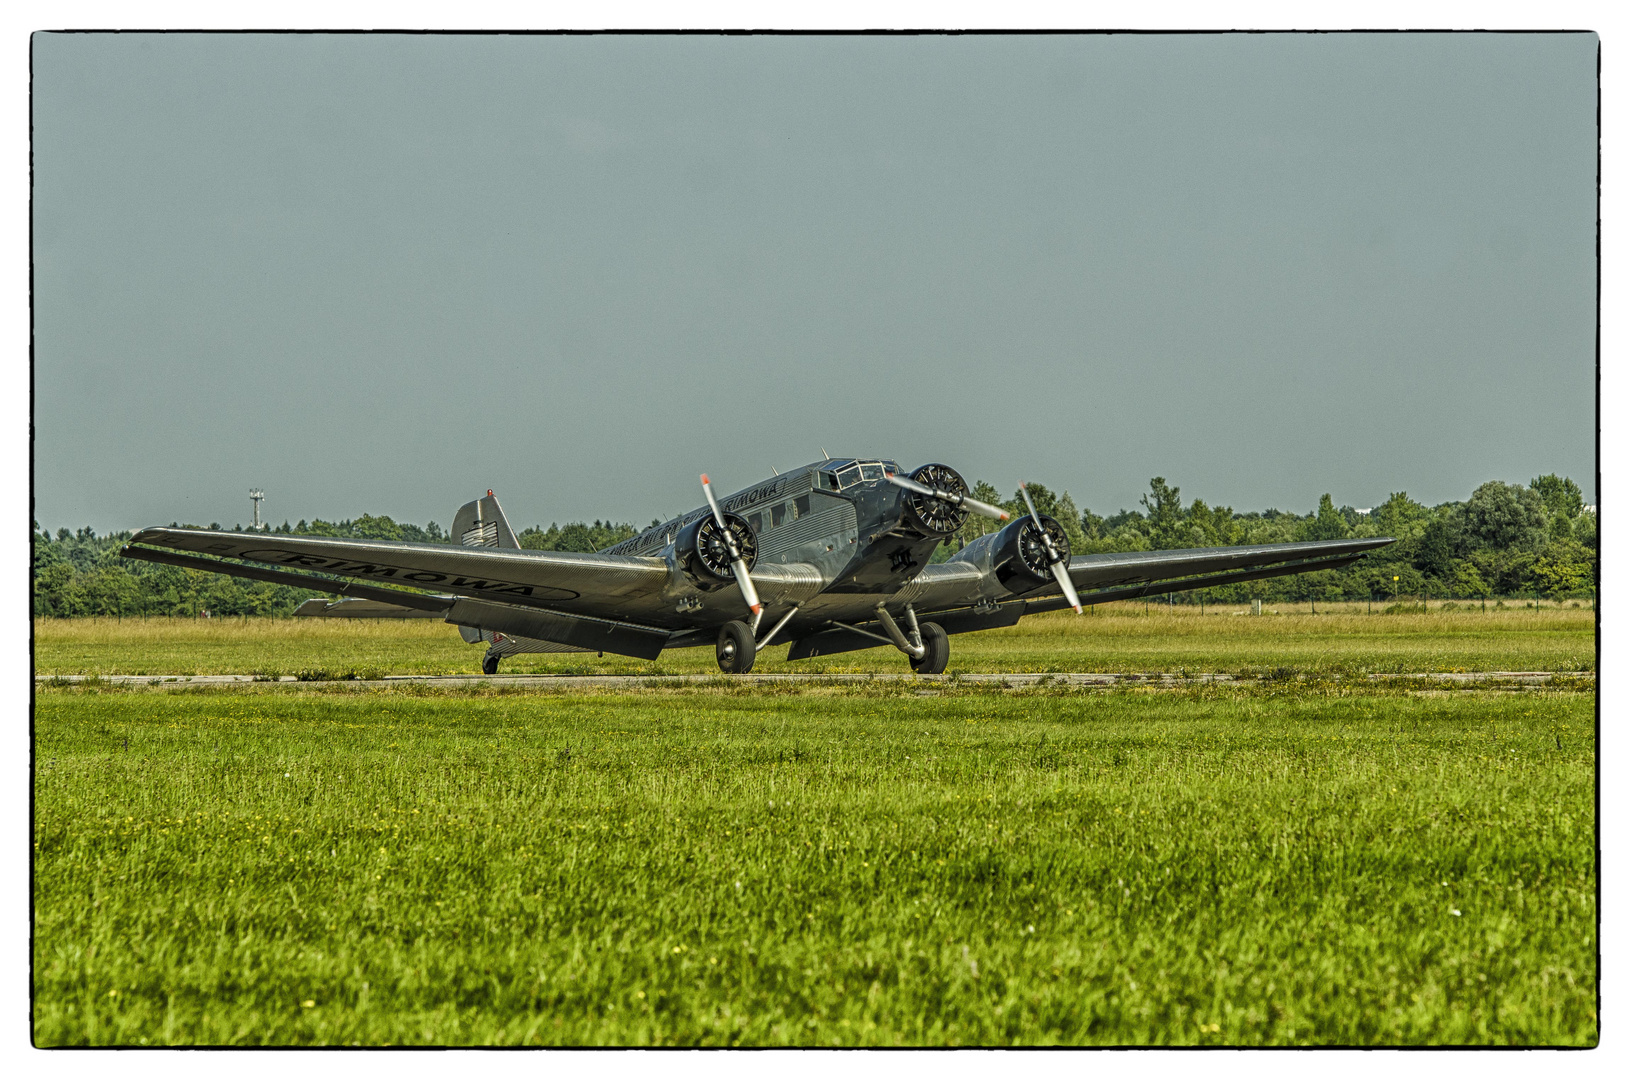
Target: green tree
[[368, 527], [1563, 568], [1559, 494], [1501, 515], [1584, 529], [576, 536], [1327, 524], [1442, 541], [1400, 516], [1465, 580], [1166, 527], [1211, 526]]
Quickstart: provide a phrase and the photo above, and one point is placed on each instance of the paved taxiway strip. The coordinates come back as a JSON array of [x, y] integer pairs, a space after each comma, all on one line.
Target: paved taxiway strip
[[1011, 680]]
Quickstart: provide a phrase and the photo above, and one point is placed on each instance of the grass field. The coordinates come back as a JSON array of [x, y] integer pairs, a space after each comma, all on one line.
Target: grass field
[[1267, 866], [1341, 639], [1304, 861]]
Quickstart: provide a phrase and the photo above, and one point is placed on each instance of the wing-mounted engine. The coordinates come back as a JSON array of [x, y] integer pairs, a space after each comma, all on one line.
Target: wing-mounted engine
[[702, 550], [1022, 560]]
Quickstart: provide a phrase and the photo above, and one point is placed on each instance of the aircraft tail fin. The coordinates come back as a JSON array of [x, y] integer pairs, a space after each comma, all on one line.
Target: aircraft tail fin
[[482, 524]]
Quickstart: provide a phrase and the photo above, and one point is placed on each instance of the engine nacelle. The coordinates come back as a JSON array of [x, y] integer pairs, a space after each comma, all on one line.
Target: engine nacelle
[[700, 548], [929, 516], [1020, 556]]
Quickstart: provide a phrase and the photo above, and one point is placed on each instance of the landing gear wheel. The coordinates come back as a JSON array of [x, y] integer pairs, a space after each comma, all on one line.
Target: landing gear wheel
[[735, 650], [489, 664], [938, 654]]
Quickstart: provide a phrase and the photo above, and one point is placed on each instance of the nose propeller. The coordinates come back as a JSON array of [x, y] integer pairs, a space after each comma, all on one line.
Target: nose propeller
[[1055, 562], [967, 502], [737, 566]]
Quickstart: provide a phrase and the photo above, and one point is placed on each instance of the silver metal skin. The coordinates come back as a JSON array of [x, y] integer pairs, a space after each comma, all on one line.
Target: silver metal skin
[[842, 549], [737, 566], [968, 502], [1055, 561]]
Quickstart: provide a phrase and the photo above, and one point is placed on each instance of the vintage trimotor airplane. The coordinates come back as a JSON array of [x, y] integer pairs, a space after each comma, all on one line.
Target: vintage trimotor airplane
[[834, 556]]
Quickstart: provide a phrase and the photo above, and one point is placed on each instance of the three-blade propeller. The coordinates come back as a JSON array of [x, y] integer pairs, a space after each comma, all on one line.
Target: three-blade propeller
[[737, 565], [1055, 562], [954, 498]]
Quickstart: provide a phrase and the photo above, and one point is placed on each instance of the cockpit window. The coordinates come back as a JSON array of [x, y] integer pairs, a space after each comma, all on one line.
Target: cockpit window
[[858, 473]]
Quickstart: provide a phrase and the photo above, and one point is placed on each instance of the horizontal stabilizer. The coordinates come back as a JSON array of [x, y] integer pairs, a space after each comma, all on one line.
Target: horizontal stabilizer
[[360, 609], [598, 634], [514, 646]]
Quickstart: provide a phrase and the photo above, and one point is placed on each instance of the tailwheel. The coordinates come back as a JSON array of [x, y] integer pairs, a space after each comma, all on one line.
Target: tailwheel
[[735, 650], [936, 650], [489, 664]]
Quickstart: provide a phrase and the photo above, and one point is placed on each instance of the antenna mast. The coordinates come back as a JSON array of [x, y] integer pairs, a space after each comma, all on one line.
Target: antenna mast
[[256, 494]]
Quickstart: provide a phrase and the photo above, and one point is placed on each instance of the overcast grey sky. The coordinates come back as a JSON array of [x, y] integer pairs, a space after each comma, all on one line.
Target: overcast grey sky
[[384, 273]]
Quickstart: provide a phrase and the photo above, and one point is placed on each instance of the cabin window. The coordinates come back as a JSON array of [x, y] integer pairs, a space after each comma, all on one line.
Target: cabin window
[[800, 506], [778, 514], [756, 521], [872, 471], [849, 476], [831, 480]]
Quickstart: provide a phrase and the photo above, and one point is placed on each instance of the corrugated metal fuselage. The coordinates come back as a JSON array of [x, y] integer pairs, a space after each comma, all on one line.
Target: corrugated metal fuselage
[[846, 543]]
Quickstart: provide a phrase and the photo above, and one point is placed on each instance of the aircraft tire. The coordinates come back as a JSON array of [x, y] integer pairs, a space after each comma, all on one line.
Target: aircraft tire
[[735, 651], [938, 644], [489, 665]]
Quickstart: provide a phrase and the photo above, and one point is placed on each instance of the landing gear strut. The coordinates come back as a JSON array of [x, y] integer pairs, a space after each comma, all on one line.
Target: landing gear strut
[[928, 647], [735, 650]]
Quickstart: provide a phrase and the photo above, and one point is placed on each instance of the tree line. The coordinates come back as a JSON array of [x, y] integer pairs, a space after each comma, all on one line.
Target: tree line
[[1506, 540]]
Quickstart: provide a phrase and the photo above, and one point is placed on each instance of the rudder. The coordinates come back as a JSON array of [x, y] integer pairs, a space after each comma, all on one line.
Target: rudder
[[482, 524]]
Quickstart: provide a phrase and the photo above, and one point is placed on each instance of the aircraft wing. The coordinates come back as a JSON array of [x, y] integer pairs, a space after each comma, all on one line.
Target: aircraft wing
[[618, 587], [948, 585], [956, 594], [1137, 567]]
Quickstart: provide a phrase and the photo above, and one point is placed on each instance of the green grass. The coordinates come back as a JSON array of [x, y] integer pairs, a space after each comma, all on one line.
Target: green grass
[[1300, 863], [1341, 639]]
